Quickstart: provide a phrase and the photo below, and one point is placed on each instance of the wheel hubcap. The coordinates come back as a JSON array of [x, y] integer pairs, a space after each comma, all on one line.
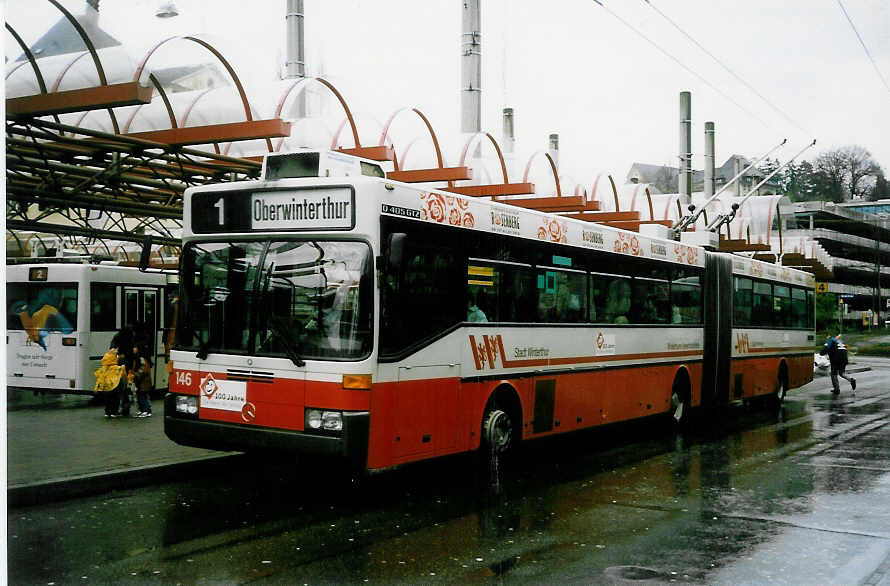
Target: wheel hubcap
[[677, 407], [499, 431]]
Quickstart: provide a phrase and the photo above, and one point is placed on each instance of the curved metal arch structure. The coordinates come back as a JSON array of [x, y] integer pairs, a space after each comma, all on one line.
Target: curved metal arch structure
[[215, 52], [528, 166], [32, 60], [385, 134], [349, 118], [65, 70], [92, 51], [478, 137], [30, 56], [167, 105]]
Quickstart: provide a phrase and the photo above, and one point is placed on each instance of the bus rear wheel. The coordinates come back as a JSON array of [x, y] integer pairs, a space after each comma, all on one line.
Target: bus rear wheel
[[781, 387], [680, 404]]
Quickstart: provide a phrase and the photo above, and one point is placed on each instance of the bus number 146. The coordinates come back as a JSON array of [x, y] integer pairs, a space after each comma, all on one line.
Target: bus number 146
[[184, 378]]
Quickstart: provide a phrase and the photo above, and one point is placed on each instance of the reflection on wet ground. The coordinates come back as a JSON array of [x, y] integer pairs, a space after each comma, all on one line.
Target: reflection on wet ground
[[738, 499]]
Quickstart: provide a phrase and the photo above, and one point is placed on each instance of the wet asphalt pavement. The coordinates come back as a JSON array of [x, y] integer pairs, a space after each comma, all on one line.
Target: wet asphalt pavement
[[749, 496]]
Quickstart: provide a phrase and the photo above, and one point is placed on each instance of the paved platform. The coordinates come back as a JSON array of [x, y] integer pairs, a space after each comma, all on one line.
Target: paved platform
[[63, 447]]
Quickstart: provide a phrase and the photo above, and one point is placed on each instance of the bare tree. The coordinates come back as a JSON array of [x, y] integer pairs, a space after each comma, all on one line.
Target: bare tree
[[845, 173], [861, 170]]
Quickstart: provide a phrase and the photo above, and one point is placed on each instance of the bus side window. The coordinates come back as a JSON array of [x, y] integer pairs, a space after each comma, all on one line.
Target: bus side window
[[561, 296], [618, 301], [102, 307], [762, 308], [425, 298], [685, 297], [811, 309], [782, 305], [742, 301], [798, 308]]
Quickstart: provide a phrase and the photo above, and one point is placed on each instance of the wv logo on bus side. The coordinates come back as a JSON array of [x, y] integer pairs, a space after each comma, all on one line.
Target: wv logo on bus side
[[488, 352]]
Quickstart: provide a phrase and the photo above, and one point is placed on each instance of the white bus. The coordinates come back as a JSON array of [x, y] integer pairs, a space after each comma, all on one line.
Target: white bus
[[61, 317]]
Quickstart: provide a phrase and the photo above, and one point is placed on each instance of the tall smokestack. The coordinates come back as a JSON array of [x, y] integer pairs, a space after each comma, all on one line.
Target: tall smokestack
[[709, 160], [471, 67], [736, 169], [295, 60], [554, 149], [685, 148], [509, 137]]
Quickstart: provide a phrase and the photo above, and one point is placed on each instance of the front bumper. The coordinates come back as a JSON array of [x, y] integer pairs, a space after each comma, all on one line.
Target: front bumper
[[351, 443]]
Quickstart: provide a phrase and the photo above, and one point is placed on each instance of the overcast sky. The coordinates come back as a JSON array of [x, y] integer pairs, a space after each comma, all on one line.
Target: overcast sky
[[569, 67]]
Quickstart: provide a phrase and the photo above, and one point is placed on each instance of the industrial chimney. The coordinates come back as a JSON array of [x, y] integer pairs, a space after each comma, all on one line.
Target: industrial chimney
[[471, 67], [709, 160], [685, 181], [294, 59], [553, 151], [509, 137]]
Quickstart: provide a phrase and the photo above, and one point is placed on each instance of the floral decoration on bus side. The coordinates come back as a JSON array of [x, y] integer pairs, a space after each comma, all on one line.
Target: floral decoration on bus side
[[440, 208], [628, 244], [553, 230], [689, 254]]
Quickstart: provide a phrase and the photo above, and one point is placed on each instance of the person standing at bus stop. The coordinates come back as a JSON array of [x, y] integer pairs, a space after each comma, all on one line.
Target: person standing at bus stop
[[109, 377], [836, 350], [125, 344]]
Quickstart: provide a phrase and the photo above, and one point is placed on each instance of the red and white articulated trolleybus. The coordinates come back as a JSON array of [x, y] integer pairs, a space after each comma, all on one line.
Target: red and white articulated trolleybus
[[326, 309]]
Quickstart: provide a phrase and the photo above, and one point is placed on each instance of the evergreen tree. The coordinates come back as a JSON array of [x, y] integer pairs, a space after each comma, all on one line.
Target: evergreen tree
[[799, 182], [881, 189]]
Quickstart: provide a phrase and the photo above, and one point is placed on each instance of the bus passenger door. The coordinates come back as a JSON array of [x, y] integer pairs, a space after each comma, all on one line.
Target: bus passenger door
[[141, 307], [426, 411]]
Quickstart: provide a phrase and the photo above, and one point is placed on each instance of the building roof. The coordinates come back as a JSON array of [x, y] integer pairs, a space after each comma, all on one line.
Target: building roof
[[63, 38], [648, 173]]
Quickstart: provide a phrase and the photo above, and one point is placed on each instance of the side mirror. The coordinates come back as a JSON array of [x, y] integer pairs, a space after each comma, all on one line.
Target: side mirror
[[145, 256], [396, 250]]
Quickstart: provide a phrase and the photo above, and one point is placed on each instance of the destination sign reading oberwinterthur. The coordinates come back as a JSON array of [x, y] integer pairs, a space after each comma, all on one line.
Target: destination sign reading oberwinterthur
[[302, 209]]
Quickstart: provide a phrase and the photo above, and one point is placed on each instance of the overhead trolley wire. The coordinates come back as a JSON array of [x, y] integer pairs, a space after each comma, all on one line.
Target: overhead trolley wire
[[729, 70], [681, 64], [864, 47]]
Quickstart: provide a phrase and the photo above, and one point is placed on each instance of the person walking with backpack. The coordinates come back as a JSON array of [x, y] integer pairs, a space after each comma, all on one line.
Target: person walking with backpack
[[836, 350]]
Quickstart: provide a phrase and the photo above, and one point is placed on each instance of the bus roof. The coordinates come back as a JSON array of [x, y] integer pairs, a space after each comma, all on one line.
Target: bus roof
[[425, 204]]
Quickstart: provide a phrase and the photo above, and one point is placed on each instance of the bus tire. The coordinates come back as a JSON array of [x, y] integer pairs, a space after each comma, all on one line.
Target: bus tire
[[497, 431], [500, 424], [778, 397], [680, 400]]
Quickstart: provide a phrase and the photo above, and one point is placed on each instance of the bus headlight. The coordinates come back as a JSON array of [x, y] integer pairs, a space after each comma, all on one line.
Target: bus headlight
[[313, 419], [332, 420], [316, 419], [187, 404]]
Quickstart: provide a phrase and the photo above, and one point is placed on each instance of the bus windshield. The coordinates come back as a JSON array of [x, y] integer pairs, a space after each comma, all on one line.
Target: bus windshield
[[293, 298]]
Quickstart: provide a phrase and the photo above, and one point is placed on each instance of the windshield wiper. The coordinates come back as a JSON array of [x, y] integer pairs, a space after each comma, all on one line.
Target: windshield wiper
[[290, 348]]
